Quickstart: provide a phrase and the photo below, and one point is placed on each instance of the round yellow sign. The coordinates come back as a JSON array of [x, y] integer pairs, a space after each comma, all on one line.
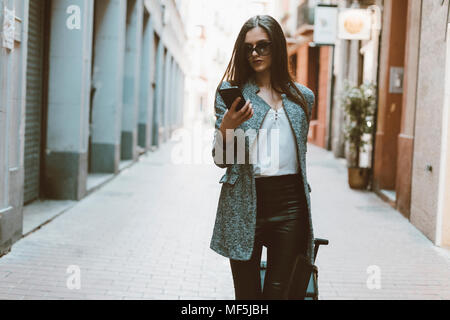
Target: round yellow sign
[[353, 25]]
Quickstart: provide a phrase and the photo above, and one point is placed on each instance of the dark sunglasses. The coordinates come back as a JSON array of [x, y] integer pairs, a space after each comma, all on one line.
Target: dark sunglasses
[[262, 49]]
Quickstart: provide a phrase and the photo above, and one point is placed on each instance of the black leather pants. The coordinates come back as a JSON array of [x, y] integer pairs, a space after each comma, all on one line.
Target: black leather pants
[[281, 226]]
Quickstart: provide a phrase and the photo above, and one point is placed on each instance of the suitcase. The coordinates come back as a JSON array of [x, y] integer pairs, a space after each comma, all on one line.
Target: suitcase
[[304, 284]]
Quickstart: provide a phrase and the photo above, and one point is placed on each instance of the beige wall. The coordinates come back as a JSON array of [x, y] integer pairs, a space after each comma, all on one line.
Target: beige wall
[[428, 125], [444, 207]]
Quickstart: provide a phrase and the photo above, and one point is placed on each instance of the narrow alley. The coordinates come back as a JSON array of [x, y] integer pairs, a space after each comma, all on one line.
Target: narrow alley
[[146, 233]]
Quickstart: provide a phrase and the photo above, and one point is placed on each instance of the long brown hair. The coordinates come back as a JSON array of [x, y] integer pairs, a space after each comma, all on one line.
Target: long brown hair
[[239, 70]]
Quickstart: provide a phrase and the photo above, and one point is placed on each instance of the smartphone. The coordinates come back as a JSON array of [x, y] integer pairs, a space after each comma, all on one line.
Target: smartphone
[[230, 94]]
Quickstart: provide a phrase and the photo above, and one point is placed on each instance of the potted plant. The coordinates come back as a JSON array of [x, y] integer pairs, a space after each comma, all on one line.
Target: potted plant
[[359, 106]]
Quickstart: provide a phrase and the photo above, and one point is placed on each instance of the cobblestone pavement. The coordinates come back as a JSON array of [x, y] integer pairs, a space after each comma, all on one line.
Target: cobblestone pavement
[[146, 233]]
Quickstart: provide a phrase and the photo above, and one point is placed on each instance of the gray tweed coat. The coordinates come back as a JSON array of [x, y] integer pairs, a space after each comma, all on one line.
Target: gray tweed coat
[[234, 228]]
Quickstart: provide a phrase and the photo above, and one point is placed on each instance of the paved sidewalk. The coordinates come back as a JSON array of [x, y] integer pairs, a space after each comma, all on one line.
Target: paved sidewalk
[[369, 238], [145, 235]]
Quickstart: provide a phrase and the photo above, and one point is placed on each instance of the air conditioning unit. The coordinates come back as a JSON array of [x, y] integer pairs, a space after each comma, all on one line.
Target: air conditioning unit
[[305, 13]]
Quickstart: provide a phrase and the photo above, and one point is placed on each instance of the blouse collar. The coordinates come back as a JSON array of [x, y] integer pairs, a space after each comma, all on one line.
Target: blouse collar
[[252, 87]]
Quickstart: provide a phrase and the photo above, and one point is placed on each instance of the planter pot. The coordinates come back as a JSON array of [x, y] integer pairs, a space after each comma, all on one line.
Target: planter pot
[[358, 178]]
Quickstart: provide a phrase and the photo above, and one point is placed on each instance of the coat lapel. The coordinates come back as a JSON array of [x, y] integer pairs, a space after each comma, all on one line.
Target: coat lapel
[[249, 91]]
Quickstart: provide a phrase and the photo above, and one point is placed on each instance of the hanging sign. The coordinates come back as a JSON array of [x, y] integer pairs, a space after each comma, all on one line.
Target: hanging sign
[[354, 24], [325, 24], [8, 29]]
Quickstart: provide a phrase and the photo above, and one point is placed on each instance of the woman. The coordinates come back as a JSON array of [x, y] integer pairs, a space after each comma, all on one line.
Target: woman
[[258, 205]]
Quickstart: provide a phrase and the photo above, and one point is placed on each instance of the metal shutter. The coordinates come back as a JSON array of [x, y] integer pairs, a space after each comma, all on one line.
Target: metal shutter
[[34, 100]]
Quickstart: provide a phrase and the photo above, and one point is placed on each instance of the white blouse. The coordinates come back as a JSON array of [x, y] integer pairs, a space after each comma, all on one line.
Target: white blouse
[[276, 151]]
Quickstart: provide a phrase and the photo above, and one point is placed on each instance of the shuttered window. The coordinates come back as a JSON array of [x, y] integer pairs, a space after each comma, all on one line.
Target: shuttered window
[[34, 100]]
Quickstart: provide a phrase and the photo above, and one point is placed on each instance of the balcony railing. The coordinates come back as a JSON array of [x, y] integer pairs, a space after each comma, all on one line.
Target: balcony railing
[[305, 13]]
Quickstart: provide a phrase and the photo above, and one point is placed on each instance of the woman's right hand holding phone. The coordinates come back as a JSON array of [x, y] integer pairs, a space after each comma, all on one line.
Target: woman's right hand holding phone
[[233, 119]]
